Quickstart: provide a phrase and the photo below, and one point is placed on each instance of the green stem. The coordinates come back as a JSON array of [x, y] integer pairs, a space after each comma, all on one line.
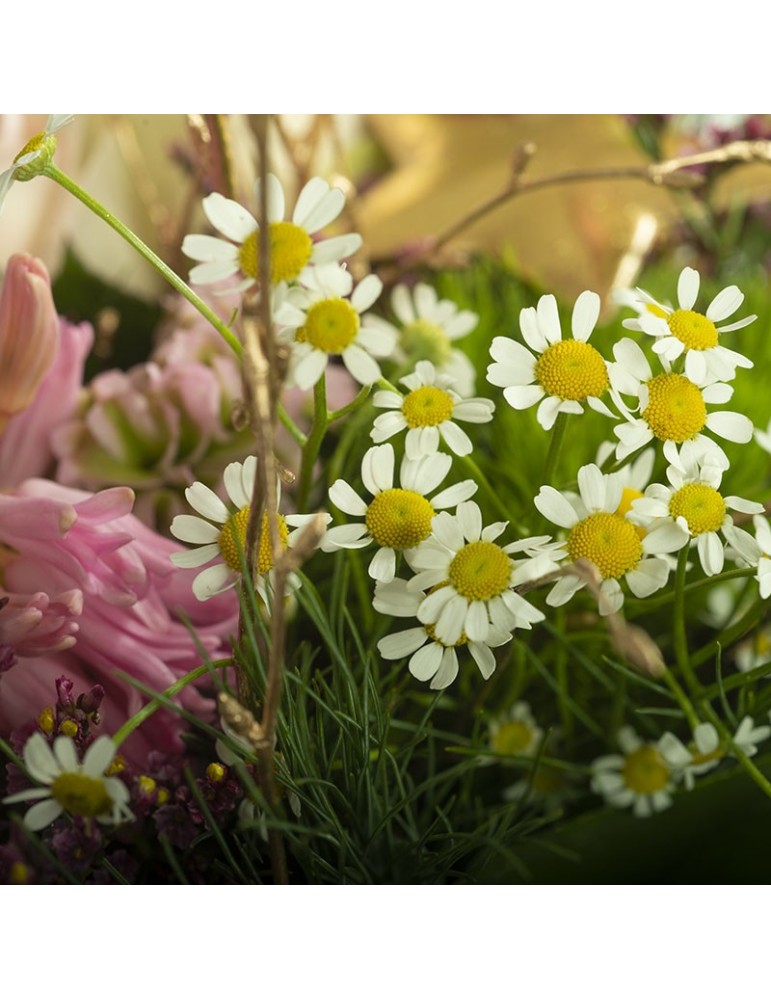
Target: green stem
[[163, 269], [679, 636], [151, 707], [354, 404], [313, 444], [752, 770], [555, 446], [291, 426], [484, 482], [682, 699], [753, 616]]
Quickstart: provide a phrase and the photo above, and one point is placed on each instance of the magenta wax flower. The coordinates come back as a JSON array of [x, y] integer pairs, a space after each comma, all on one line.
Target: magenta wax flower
[[39, 623], [29, 333]]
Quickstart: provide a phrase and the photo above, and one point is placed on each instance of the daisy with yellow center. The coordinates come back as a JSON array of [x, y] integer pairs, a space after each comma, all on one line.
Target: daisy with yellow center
[[639, 776], [324, 319], [565, 375], [430, 658], [707, 750], [220, 533], [428, 412], [429, 328], [293, 250], [605, 538], [471, 580], [692, 507], [398, 518], [695, 335], [24, 166], [672, 409], [755, 551], [78, 788], [515, 733]]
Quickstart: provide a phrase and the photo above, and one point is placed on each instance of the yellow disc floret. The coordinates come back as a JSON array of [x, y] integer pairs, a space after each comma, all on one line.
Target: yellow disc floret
[[426, 341], [290, 251], [692, 329], [572, 369], [46, 719], [512, 737], [676, 410], [331, 325], [427, 406], [645, 771], [399, 519], [480, 571], [81, 795], [232, 540], [701, 506], [608, 541]]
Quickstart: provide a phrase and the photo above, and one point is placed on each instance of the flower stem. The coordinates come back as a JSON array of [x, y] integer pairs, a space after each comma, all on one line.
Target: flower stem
[[555, 446], [752, 769], [682, 698], [313, 444], [163, 269], [351, 407], [297, 435], [484, 482], [679, 638]]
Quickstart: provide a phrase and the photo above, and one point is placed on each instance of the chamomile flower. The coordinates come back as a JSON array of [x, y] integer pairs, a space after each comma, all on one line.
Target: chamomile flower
[[430, 658], [293, 250], [672, 409], [324, 319], [42, 145], [430, 326], [682, 331], [634, 477], [220, 533], [472, 581], [428, 412], [692, 507], [754, 551], [566, 374], [79, 788], [515, 732], [639, 776], [398, 518], [606, 538], [707, 750]]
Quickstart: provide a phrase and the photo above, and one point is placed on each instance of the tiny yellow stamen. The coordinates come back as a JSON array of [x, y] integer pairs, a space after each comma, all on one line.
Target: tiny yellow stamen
[[702, 507], [147, 785], [162, 797], [216, 773], [512, 738], [290, 251], [628, 496], [655, 310], [399, 519], [480, 571], [331, 325], [608, 541], [46, 720], [69, 728], [676, 410], [427, 406], [645, 771], [692, 329], [117, 765], [572, 369], [232, 540], [80, 794], [18, 874]]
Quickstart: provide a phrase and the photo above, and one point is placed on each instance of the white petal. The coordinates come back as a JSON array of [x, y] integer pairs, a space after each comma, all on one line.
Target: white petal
[[553, 505], [688, 288], [649, 576], [193, 558], [64, 752], [401, 302], [234, 485], [725, 303], [377, 469], [394, 647], [711, 553], [425, 663], [483, 657], [230, 218], [206, 502], [585, 314], [366, 292], [591, 486], [454, 495], [347, 499], [309, 369], [336, 248], [731, 426], [208, 248], [696, 366], [363, 368], [383, 565], [547, 412], [43, 814], [549, 318], [447, 672], [212, 581], [326, 209], [469, 519], [98, 757], [188, 528], [274, 198], [528, 324], [520, 397], [218, 270]]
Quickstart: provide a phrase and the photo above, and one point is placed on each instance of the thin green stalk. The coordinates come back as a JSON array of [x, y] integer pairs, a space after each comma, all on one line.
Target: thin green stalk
[[682, 699], [752, 770], [297, 435], [555, 446], [752, 617], [679, 636], [163, 269], [351, 407], [484, 482], [313, 444]]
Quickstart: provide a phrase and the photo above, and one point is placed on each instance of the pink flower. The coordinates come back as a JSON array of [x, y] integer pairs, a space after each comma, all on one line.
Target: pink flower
[[29, 333], [36, 623]]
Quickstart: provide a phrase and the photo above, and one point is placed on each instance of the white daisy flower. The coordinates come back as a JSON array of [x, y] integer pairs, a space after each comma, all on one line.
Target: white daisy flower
[[428, 412], [225, 538], [754, 652], [42, 144], [691, 508], [515, 732], [606, 538], [672, 409], [754, 551], [683, 331], [430, 326], [567, 373], [80, 789], [634, 477], [293, 250], [397, 518], [639, 776], [324, 319], [479, 577], [707, 750], [430, 658]]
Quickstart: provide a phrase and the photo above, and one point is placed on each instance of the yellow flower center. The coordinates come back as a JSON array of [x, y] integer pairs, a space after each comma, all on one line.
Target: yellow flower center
[[512, 737], [69, 728], [81, 795], [608, 541], [399, 519], [216, 773], [427, 407], [676, 410], [290, 251], [645, 771], [427, 341], [232, 540], [701, 506], [331, 325], [46, 719], [628, 496], [480, 571], [694, 330], [655, 310], [572, 369]]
